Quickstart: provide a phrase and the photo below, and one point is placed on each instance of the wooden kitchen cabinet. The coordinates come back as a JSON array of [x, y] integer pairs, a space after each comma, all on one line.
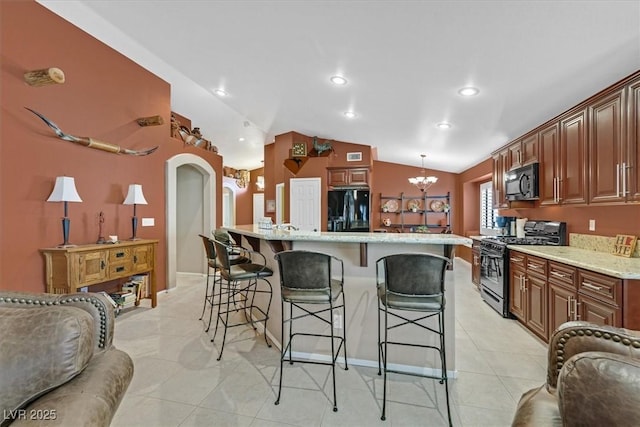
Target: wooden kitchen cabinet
[[524, 151], [348, 177], [71, 268], [572, 181], [631, 172], [501, 164], [549, 168], [528, 286], [607, 148]]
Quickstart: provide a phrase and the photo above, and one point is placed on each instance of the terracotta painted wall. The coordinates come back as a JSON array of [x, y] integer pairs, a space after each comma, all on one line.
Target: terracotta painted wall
[[103, 94], [390, 179]]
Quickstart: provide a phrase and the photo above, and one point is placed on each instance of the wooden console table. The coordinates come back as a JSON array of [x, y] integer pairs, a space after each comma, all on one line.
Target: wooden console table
[[71, 268]]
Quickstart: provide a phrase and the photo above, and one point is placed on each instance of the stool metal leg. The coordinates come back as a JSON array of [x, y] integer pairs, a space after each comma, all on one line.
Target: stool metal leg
[[282, 351], [333, 359], [206, 294]]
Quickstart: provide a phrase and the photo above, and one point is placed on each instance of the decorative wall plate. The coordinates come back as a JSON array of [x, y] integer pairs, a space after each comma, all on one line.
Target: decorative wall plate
[[436, 205], [391, 205]]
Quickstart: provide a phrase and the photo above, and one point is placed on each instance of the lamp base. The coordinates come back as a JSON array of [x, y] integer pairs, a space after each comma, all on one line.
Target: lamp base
[[68, 245], [133, 238]]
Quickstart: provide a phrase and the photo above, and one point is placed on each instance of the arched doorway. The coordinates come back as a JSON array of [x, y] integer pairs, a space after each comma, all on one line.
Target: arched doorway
[[205, 197]]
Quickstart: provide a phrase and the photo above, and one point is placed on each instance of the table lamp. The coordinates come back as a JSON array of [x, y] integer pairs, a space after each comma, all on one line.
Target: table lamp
[[134, 197], [65, 191]]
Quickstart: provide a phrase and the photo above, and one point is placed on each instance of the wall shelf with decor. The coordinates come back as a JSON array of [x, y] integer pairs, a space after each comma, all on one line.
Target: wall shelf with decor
[[416, 214]]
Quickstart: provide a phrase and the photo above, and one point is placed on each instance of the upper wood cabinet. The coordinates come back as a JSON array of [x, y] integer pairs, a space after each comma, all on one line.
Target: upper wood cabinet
[[549, 169], [607, 149], [524, 151], [572, 181], [588, 155], [631, 173], [347, 177], [500, 166]]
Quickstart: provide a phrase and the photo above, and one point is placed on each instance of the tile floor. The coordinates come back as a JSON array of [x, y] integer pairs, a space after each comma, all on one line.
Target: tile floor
[[178, 382]]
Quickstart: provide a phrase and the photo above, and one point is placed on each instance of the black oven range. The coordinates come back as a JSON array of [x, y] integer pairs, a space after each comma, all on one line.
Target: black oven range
[[494, 259]]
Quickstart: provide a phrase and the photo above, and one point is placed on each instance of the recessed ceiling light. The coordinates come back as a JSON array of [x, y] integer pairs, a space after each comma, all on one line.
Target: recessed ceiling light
[[220, 92], [349, 114], [443, 125], [338, 80], [469, 91], [241, 139]]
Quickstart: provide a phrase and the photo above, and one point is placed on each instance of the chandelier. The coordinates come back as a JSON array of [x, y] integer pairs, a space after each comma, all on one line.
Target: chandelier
[[423, 182]]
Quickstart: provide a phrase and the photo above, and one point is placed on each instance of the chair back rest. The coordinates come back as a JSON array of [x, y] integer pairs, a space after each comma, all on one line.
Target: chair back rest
[[413, 273], [209, 247], [222, 254], [304, 269], [223, 236]]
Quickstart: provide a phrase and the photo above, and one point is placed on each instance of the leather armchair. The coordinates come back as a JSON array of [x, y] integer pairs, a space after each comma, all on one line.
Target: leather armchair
[[593, 379], [59, 365]]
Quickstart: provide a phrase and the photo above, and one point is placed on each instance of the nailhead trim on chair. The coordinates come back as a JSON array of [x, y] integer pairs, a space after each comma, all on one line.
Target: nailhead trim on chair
[[92, 300], [635, 343]]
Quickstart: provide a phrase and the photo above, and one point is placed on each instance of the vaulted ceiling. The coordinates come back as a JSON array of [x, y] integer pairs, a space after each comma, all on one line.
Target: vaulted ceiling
[[404, 62]]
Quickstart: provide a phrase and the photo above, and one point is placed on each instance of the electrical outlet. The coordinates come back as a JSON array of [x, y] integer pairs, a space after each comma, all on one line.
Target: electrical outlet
[[148, 222], [84, 289], [337, 321], [592, 225]]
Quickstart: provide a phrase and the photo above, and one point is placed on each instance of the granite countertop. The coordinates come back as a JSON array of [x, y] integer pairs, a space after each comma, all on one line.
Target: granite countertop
[[600, 262], [252, 230]]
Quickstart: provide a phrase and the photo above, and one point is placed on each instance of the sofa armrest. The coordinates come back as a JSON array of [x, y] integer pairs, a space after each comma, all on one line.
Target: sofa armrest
[[598, 388], [95, 304], [572, 338]]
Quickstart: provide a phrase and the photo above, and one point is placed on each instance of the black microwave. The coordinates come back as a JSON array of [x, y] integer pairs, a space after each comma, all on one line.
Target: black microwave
[[522, 183]]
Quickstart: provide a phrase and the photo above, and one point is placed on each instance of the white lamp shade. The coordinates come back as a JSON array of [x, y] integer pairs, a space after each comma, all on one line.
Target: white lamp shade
[[64, 190], [135, 196]]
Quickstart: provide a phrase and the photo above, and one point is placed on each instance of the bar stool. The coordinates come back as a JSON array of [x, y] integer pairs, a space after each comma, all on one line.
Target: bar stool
[[411, 282], [236, 257], [249, 273], [307, 278]]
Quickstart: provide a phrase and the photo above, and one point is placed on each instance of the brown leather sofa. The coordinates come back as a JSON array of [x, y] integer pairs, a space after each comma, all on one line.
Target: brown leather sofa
[[593, 379], [58, 363]]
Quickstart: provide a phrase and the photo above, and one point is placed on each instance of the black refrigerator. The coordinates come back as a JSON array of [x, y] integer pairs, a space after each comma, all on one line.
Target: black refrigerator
[[348, 210]]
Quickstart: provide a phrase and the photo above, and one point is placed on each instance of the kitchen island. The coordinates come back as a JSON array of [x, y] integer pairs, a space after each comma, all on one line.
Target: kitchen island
[[359, 253]]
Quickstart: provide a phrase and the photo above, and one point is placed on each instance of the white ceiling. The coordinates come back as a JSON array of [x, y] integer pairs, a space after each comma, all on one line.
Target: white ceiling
[[404, 60]]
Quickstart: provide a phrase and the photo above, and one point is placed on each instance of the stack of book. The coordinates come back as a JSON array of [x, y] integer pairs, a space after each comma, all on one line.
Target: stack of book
[[124, 298]]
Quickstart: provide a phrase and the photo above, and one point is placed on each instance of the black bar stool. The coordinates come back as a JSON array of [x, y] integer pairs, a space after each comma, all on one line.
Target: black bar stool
[[411, 282], [306, 279], [240, 289], [236, 257]]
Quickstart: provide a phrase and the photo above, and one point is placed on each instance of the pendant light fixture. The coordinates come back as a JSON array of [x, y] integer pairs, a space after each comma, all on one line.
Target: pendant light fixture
[[423, 182]]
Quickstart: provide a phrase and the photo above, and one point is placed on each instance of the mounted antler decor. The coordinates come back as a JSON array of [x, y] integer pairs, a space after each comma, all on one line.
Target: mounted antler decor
[[45, 76], [90, 142]]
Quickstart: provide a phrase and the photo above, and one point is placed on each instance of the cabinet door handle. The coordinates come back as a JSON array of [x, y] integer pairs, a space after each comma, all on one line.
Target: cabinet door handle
[[534, 266], [624, 179], [119, 254], [519, 157], [559, 182], [591, 286], [517, 259], [618, 179], [576, 304], [135, 259], [102, 265], [119, 269], [569, 312]]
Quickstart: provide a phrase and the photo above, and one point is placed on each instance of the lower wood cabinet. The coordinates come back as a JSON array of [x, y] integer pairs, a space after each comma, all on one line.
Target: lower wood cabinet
[[545, 294], [528, 286]]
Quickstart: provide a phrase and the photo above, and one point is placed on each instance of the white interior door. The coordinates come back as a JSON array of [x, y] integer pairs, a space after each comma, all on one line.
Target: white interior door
[[304, 203], [279, 203], [258, 207]]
